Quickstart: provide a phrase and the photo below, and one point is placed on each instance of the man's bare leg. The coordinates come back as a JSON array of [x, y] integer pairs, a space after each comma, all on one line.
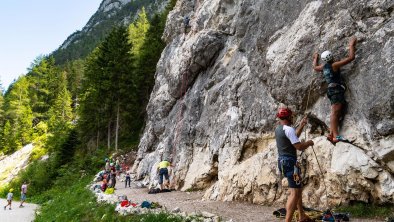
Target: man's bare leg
[[292, 203], [301, 212]]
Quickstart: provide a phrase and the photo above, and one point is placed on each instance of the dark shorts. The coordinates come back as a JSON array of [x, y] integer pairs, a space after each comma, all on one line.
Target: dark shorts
[[23, 196], [336, 95], [286, 168], [163, 172]]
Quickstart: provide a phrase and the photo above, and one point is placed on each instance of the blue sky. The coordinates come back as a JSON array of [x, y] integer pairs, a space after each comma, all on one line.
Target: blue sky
[[32, 28]]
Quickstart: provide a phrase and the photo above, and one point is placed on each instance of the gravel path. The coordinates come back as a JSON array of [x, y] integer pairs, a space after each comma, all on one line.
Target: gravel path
[[17, 214], [192, 202]]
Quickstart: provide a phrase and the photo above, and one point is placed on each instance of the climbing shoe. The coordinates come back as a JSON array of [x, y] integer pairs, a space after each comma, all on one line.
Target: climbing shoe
[[341, 139], [332, 140]]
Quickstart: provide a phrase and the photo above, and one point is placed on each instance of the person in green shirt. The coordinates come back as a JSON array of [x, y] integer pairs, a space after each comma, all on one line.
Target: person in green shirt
[[163, 172]]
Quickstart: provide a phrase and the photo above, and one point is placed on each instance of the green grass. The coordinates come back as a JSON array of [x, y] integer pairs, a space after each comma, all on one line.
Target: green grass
[[59, 187], [360, 209], [73, 202]]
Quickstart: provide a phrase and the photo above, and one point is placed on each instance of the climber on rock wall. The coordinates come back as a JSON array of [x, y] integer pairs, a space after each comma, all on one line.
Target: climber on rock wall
[[288, 143], [336, 87]]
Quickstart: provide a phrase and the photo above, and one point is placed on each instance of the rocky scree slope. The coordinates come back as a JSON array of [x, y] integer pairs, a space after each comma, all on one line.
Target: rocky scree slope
[[11, 165], [218, 86]]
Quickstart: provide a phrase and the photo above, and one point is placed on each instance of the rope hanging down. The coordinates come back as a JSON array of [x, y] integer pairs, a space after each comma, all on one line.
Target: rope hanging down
[[306, 138], [179, 122]]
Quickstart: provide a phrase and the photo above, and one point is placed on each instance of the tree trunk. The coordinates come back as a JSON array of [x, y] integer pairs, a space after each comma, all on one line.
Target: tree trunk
[[109, 134], [97, 139], [117, 128]]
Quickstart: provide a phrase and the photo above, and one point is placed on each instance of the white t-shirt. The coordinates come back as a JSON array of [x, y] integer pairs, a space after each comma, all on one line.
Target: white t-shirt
[[291, 134], [9, 196]]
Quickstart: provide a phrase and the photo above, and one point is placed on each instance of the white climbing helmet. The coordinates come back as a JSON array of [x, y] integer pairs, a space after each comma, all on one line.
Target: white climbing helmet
[[326, 56]]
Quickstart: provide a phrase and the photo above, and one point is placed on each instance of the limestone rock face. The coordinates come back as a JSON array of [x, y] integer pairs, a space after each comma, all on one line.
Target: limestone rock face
[[220, 82]]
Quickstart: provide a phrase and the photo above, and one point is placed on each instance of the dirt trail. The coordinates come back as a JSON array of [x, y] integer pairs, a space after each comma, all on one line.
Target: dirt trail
[[192, 202], [17, 214]]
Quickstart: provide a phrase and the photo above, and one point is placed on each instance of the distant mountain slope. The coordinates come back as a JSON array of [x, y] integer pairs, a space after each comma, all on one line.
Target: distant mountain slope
[[110, 13]]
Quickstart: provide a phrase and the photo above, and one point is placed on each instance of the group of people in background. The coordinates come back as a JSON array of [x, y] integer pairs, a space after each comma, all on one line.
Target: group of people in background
[[115, 167], [111, 171], [10, 196]]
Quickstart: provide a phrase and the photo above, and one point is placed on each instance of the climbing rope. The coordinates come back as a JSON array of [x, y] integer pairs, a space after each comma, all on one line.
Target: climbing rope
[[306, 138], [182, 93]]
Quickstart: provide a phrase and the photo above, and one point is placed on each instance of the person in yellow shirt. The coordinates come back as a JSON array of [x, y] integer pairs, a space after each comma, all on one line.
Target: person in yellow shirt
[[163, 172]]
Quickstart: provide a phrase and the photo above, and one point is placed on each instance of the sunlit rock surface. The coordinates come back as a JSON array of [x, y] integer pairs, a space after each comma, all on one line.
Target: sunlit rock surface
[[12, 164], [219, 84]]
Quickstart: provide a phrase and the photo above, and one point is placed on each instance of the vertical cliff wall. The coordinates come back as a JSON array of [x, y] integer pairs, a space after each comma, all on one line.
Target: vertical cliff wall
[[219, 84]]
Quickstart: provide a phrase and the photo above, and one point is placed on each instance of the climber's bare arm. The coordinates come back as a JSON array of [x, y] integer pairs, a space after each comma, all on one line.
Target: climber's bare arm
[[316, 67], [349, 58]]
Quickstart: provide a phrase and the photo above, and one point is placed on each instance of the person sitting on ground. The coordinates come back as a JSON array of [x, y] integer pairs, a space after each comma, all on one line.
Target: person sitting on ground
[[100, 176], [336, 88], [163, 172], [288, 143], [128, 179], [104, 185], [23, 193], [10, 196]]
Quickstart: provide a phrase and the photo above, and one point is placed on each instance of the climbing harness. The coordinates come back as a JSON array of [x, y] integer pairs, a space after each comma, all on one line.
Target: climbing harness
[[333, 84]]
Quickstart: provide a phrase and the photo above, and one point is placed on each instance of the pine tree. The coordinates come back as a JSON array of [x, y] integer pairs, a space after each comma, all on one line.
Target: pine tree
[[18, 129], [60, 113], [108, 84], [8, 142], [137, 31], [43, 82], [146, 63], [74, 72], [1, 106], [91, 109]]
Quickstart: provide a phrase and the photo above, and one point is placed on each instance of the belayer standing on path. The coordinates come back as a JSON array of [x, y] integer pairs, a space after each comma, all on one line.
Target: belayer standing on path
[[23, 193], [163, 172], [10, 196], [336, 88], [128, 180], [288, 143]]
